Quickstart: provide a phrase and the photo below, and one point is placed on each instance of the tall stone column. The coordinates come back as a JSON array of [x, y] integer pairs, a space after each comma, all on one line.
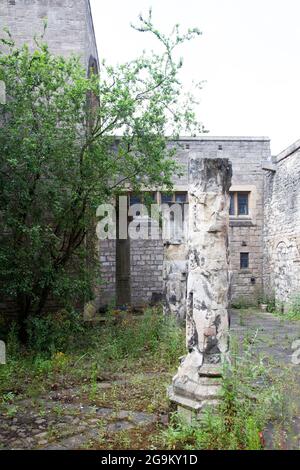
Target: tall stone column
[[175, 277], [197, 383]]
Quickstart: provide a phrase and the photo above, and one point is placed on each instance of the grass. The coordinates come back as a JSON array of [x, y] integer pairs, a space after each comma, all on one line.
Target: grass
[[127, 364], [252, 396], [148, 344]]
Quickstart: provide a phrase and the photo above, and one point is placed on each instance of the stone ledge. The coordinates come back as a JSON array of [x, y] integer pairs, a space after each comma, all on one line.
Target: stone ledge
[[241, 223]]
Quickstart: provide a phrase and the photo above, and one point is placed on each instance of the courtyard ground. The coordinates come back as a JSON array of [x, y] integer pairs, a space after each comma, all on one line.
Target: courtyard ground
[[78, 406]]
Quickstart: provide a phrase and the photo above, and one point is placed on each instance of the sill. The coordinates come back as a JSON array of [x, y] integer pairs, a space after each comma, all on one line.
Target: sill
[[240, 221]]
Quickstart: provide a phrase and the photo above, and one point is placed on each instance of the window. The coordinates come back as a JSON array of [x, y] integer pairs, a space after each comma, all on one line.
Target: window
[[181, 198], [135, 199], [174, 198], [244, 260], [242, 203], [231, 207], [239, 203], [166, 198], [175, 219], [145, 198]]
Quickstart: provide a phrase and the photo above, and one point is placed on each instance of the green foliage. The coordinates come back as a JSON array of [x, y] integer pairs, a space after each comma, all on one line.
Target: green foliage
[[240, 303], [132, 337], [251, 397], [66, 344], [294, 308], [57, 332], [60, 157], [269, 300], [13, 345]]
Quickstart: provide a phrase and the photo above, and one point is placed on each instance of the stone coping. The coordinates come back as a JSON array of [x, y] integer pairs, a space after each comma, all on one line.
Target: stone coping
[[288, 151]]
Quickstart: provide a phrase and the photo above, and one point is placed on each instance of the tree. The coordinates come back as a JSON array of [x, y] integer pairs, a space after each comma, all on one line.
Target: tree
[[61, 157]]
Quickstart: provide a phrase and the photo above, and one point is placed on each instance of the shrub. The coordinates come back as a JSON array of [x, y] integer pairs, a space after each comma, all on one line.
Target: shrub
[[55, 332]]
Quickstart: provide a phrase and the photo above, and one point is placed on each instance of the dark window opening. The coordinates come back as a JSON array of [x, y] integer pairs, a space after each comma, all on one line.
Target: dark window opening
[[181, 198], [244, 260], [239, 203], [135, 199], [242, 203], [166, 198], [174, 198], [231, 207]]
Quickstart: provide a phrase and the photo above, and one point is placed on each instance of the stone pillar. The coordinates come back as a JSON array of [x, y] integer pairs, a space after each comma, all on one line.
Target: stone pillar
[[175, 269], [197, 383]]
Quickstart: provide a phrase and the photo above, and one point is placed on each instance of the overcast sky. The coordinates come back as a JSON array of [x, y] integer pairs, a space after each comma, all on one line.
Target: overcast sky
[[248, 54]]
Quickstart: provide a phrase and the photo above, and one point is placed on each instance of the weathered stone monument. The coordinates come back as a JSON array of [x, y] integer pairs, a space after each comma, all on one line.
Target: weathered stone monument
[[197, 382]]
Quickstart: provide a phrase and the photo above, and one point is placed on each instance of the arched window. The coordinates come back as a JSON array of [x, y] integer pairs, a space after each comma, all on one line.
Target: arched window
[[93, 68]]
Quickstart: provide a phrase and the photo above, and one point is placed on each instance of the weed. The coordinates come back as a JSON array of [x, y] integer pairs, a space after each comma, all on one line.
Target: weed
[[251, 397]]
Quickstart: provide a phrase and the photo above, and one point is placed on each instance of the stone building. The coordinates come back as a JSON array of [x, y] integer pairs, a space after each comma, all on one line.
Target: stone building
[[69, 25], [132, 270], [264, 227], [281, 266]]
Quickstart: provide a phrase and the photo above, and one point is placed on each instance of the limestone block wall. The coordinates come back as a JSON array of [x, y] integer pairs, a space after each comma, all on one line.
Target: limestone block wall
[[146, 270], [245, 233], [107, 259], [70, 25], [282, 226]]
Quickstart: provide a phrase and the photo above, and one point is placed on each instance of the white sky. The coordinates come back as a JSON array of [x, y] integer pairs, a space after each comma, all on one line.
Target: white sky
[[249, 54]]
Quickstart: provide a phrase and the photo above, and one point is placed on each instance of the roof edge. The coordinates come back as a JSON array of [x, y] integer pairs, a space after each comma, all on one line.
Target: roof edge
[[228, 138], [293, 148], [93, 28]]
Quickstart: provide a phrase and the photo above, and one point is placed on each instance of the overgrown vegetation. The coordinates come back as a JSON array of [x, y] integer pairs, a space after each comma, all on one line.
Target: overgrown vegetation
[[253, 396], [294, 308], [292, 311], [138, 356], [62, 156], [79, 350]]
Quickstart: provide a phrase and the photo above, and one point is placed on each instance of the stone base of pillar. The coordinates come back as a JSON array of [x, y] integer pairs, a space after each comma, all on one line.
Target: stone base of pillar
[[191, 409], [195, 389]]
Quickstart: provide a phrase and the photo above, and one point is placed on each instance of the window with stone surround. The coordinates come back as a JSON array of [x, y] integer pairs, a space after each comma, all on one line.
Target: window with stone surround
[[239, 203], [244, 260]]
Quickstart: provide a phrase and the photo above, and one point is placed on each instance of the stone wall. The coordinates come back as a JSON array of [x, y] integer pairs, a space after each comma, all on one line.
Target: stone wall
[[282, 226], [107, 259], [245, 233], [70, 25], [146, 270]]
